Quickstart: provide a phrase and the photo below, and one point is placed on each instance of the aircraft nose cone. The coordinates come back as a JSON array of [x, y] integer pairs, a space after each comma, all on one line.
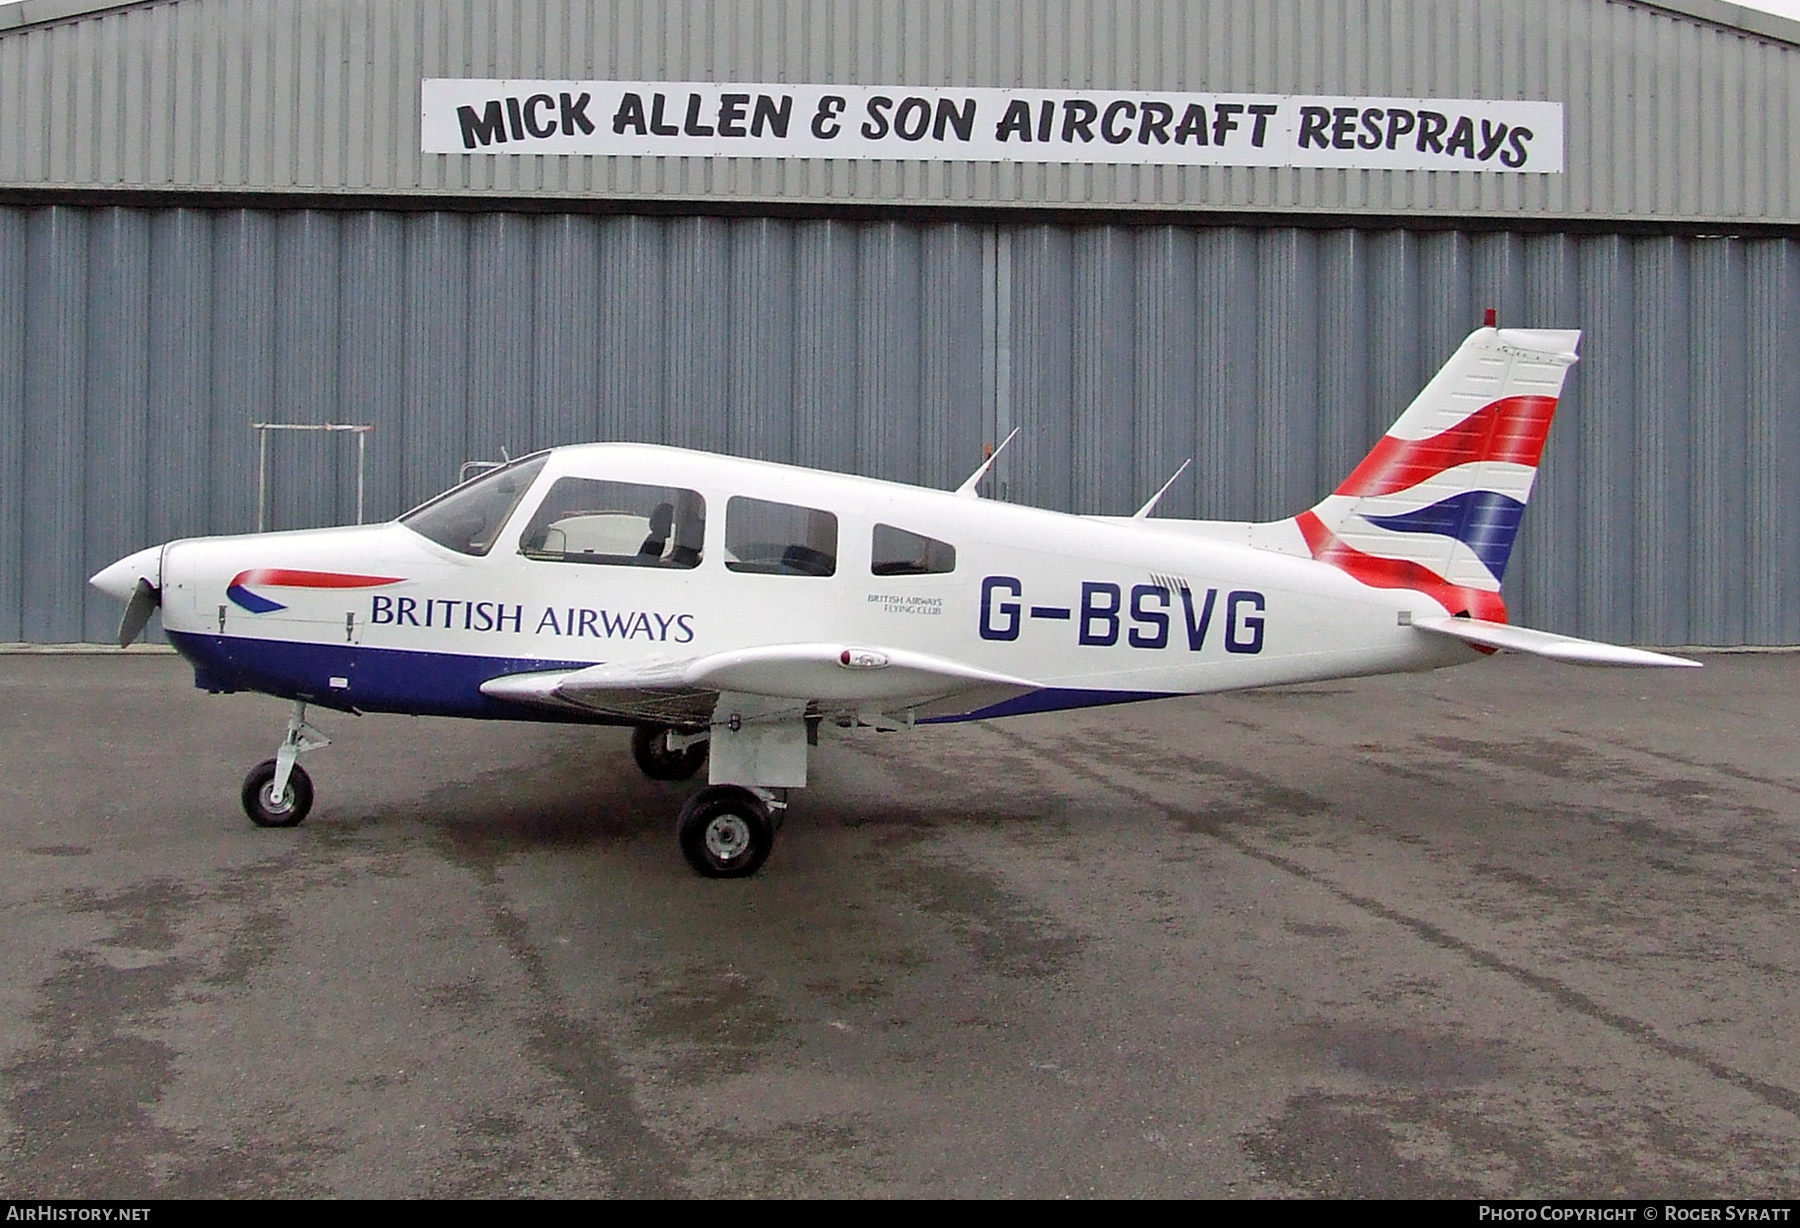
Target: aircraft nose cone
[[120, 579]]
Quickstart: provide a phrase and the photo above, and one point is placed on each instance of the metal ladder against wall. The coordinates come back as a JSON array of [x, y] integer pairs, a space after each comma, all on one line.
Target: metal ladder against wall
[[262, 429]]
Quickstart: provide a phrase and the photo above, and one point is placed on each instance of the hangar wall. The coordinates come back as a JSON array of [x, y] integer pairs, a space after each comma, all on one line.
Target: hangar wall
[[137, 346], [1668, 115]]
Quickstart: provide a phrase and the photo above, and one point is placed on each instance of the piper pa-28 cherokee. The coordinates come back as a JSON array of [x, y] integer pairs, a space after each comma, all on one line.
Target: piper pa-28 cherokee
[[728, 608]]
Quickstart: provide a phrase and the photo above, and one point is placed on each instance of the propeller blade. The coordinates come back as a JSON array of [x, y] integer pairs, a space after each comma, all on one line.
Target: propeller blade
[[144, 600]]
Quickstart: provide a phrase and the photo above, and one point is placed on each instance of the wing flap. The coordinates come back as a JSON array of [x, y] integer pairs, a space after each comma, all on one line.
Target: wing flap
[[840, 673], [1545, 644], [832, 675]]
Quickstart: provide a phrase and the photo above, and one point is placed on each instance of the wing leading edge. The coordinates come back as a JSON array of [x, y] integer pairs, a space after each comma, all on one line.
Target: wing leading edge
[[835, 677]]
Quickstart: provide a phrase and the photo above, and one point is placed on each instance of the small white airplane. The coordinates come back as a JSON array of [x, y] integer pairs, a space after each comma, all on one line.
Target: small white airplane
[[728, 609]]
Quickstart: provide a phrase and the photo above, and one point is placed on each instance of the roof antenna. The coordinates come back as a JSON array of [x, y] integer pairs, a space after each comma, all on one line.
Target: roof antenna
[[1490, 318], [967, 489], [1144, 511]]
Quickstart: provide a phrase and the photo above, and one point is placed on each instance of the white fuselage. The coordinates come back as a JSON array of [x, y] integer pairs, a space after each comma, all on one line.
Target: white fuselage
[[1093, 610]]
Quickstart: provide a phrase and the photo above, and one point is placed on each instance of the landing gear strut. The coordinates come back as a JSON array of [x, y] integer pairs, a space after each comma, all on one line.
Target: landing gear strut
[[756, 747], [278, 792]]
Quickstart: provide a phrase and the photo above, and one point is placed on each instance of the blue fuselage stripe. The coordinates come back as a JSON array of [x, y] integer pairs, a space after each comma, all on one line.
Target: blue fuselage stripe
[[449, 684], [1051, 699], [376, 679]]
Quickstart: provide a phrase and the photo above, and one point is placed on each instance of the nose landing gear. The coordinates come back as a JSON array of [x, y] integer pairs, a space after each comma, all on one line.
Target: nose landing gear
[[278, 792], [726, 829]]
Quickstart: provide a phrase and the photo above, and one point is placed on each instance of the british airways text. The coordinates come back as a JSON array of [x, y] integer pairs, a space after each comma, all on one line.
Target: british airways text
[[1146, 617], [567, 621]]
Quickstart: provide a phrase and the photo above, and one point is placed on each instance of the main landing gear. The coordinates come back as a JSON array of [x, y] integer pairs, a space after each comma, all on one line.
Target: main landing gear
[[278, 792], [755, 748], [667, 754], [726, 831]]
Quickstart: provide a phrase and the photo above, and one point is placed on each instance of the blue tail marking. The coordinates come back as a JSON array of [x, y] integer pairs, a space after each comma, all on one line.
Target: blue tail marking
[[1483, 520]]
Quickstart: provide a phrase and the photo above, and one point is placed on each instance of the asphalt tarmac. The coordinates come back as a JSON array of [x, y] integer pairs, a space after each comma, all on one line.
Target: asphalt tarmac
[[1515, 929]]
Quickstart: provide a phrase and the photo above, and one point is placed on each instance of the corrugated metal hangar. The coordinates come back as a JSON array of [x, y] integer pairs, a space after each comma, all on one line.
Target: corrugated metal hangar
[[876, 236]]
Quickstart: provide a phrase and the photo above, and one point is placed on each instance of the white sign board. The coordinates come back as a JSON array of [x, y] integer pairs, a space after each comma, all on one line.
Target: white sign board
[[702, 120]]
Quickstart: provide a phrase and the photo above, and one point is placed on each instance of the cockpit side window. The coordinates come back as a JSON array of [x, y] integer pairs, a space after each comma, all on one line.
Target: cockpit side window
[[779, 539], [468, 517], [617, 524], [897, 552]]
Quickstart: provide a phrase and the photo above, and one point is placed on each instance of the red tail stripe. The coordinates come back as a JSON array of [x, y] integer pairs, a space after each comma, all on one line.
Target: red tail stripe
[[1378, 572], [281, 577], [1512, 429]]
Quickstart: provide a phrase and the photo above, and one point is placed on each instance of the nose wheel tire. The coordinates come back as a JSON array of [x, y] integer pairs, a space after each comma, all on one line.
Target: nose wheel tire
[[650, 747], [725, 832], [267, 810]]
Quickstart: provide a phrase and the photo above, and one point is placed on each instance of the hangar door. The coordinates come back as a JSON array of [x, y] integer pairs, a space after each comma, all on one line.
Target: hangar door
[[137, 347]]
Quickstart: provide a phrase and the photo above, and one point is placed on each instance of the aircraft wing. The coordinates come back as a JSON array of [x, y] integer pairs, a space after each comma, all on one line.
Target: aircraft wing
[[832, 676], [1543, 643]]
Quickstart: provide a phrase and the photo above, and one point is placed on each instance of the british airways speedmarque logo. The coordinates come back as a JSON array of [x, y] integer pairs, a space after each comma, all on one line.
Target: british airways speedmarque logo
[[280, 577]]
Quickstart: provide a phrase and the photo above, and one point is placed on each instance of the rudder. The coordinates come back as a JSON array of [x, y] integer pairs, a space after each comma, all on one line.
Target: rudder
[[1436, 505]]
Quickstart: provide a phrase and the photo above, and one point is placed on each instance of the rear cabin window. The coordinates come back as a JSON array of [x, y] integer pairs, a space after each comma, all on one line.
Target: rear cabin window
[[467, 518], [779, 539], [897, 552], [616, 524]]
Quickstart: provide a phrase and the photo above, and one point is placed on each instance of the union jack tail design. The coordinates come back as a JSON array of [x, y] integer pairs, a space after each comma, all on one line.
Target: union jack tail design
[[1436, 505]]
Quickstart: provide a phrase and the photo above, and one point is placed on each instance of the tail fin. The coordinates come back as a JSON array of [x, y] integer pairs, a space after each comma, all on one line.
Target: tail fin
[[1436, 506]]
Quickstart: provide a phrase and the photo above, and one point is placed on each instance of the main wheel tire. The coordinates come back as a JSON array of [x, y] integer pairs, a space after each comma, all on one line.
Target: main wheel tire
[[650, 747], [267, 810], [725, 832]]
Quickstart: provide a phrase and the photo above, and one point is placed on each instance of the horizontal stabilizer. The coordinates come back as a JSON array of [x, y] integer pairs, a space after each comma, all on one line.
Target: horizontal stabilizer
[[1543, 643]]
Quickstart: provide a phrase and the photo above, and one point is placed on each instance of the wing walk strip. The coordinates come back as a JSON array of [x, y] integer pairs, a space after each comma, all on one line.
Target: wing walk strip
[[1772, 1094]]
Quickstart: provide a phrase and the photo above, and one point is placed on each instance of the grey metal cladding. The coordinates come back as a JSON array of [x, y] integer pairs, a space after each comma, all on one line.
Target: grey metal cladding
[[826, 327], [117, 417], [53, 491], [137, 347], [1772, 536], [951, 333], [1668, 116], [14, 248]]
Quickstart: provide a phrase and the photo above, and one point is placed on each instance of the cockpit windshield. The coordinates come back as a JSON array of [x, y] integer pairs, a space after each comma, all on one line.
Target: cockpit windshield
[[467, 518]]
